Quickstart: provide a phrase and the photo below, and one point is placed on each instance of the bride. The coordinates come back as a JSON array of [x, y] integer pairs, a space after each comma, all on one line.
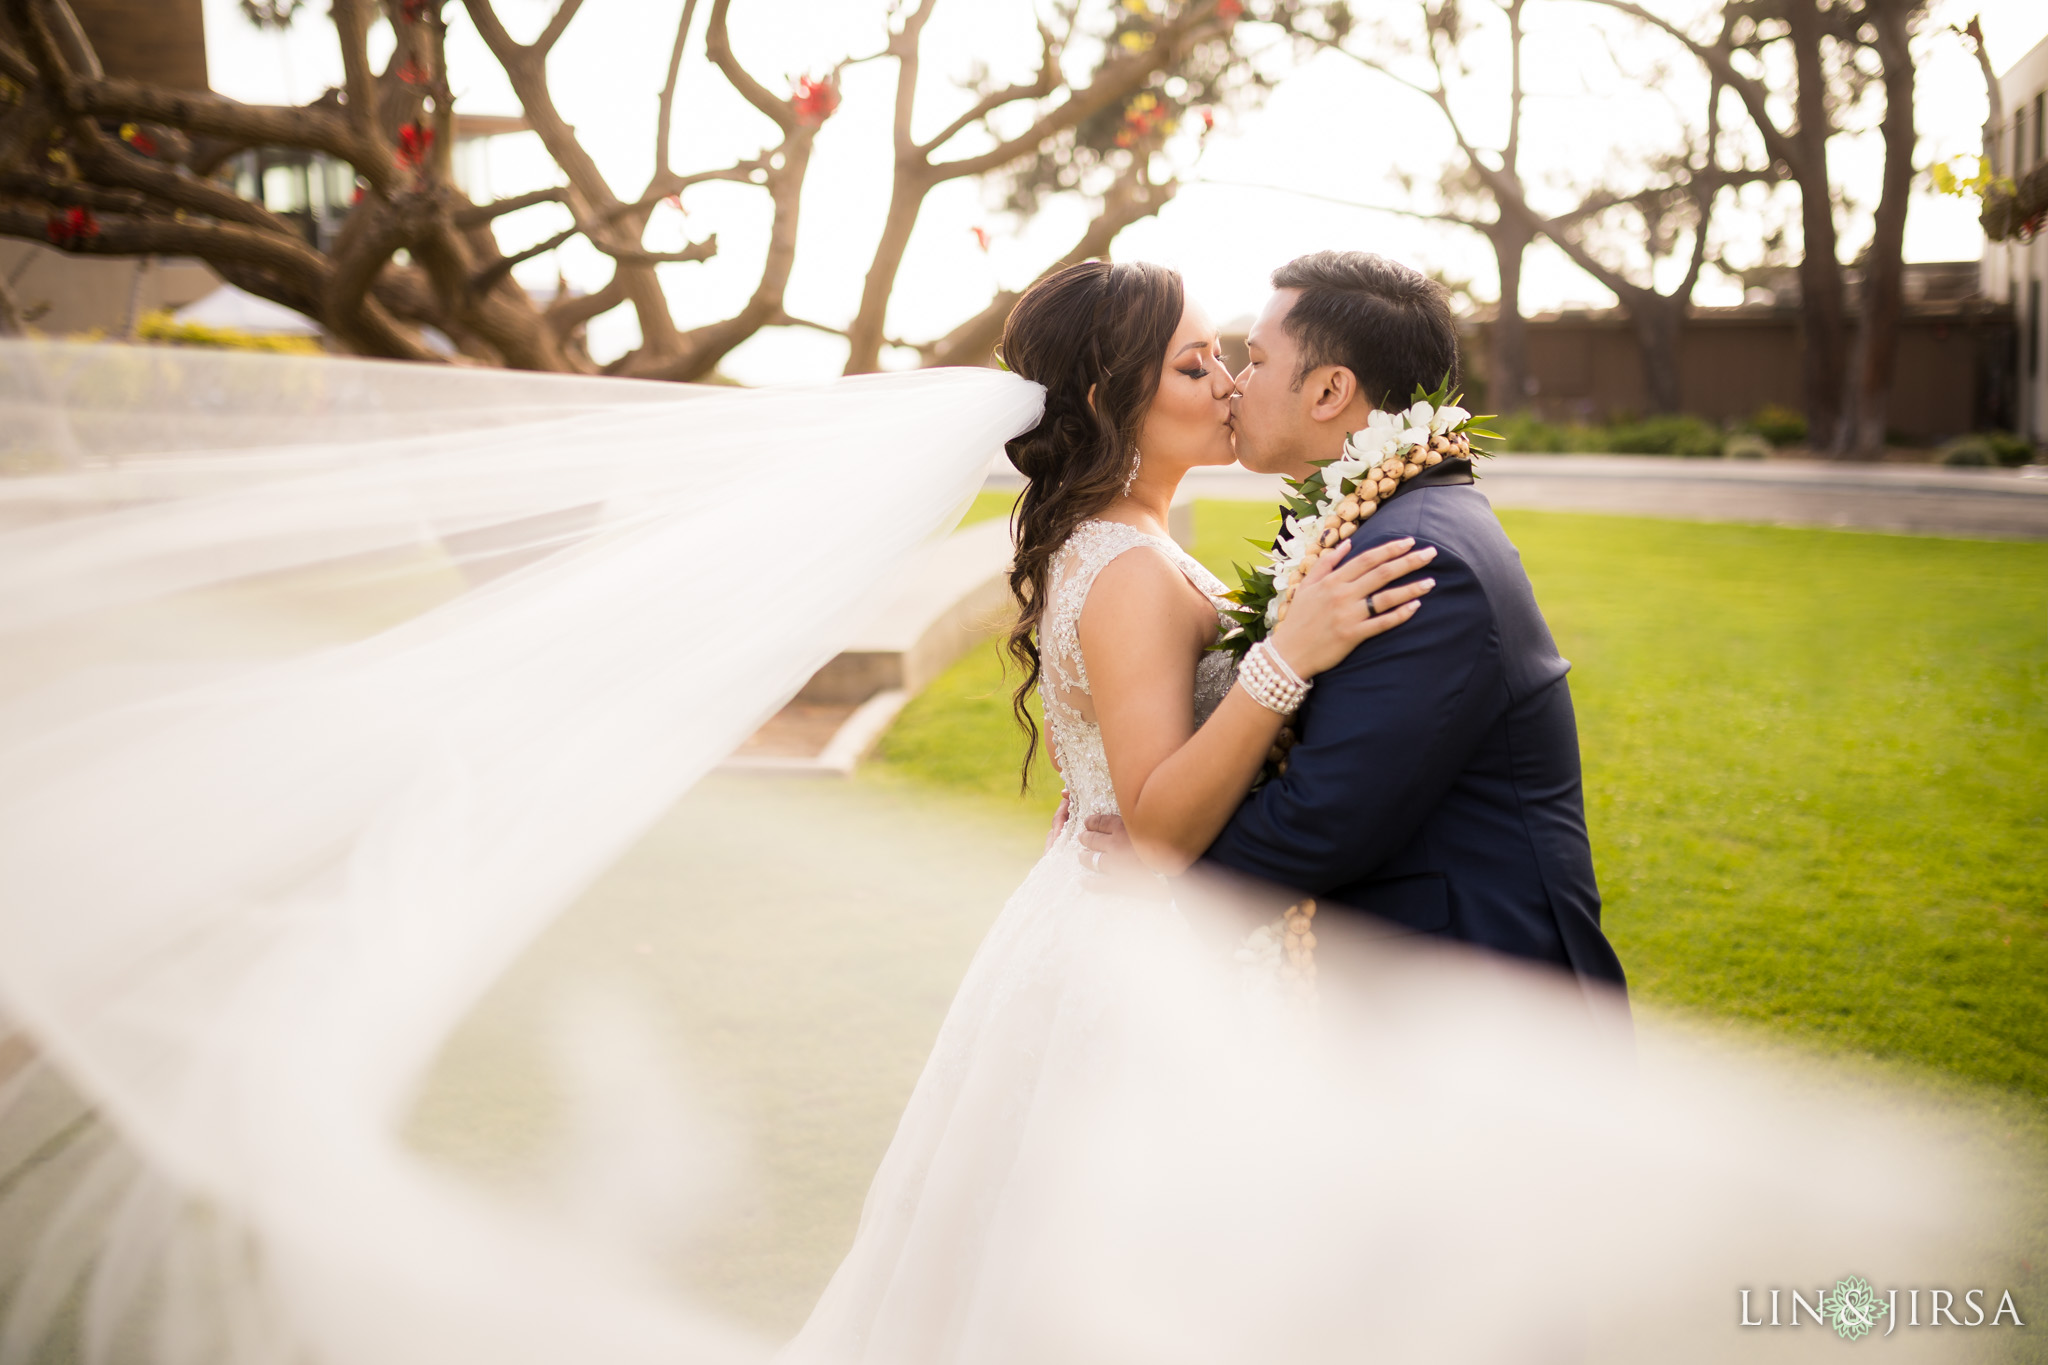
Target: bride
[[1114, 626]]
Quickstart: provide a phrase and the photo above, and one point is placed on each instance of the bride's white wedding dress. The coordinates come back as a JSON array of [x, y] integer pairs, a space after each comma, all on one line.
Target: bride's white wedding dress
[[953, 1221]]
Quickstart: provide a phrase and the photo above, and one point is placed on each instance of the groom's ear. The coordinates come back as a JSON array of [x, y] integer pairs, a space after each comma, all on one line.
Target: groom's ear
[[1333, 390]]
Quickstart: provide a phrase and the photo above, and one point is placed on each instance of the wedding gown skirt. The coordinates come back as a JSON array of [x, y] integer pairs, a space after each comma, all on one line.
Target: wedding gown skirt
[[955, 1219], [324, 685]]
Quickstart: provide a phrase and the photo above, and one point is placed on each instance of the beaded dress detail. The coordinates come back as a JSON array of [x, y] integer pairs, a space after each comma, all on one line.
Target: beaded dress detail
[[1044, 1013], [1077, 741]]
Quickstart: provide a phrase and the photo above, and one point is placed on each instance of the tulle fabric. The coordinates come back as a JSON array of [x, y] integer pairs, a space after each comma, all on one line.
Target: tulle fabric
[[328, 683]]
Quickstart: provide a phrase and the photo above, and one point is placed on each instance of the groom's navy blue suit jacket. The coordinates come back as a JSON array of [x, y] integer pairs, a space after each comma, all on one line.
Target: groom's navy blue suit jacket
[[1436, 783]]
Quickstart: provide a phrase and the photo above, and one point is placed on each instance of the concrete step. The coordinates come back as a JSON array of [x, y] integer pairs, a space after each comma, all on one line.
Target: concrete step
[[949, 597]]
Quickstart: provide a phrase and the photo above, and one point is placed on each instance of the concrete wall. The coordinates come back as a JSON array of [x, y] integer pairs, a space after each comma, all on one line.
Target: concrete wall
[[1953, 367], [62, 294]]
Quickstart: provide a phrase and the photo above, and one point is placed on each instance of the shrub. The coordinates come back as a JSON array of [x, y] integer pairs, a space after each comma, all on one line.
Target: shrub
[[1746, 445], [2009, 450], [1778, 424], [1968, 452], [1670, 434], [1987, 449], [1526, 435], [161, 326]]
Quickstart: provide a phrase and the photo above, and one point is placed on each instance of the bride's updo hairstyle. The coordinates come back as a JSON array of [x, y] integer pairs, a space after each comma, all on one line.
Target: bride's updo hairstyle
[[1089, 326]]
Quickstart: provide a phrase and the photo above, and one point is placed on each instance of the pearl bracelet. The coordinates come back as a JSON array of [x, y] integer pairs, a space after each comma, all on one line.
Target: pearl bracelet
[[1268, 680]]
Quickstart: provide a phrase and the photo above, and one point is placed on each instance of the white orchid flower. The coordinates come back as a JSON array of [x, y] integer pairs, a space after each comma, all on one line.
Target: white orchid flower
[[1449, 418], [1292, 546], [1375, 443], [1351, 466]]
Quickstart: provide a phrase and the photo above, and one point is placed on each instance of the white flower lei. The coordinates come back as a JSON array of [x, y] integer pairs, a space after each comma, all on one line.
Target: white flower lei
[[1324, 509]]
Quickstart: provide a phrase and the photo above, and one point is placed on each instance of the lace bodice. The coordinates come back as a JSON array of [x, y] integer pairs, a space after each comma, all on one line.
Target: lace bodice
[[1077, 741]]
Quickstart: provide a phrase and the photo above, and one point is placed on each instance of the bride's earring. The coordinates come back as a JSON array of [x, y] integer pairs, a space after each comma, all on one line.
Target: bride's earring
[[1132, 477]]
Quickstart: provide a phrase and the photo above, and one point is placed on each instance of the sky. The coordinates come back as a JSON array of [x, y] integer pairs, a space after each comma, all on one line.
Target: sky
[[1257, 192]]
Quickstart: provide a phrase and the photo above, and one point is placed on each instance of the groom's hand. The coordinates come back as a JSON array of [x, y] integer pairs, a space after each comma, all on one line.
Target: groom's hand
[[1106, 847]]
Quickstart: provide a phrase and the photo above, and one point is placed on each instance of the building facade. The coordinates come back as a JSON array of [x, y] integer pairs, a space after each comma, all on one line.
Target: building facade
[[2014, 270]]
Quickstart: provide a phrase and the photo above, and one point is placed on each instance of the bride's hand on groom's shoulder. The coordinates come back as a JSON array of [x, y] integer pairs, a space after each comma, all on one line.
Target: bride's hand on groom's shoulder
[[1340, 605]]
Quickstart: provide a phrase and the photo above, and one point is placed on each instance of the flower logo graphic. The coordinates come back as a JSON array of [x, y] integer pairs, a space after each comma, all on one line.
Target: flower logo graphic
[[1853, 1308]]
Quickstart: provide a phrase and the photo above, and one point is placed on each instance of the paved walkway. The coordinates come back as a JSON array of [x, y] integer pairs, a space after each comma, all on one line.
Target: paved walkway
[[1993, 504]]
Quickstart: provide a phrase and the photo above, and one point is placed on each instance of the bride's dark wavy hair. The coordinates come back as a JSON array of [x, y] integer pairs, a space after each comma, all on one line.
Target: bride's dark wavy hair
[[1089, 325]]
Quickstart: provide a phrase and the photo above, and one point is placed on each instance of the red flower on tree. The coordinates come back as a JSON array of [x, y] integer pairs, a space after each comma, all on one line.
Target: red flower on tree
[[73, 226], [414, 142], [416, 10], [1229, 10], [1141, 116], [814, 100], [139, 140], [981, 238], [412, 73], [1209, 120]]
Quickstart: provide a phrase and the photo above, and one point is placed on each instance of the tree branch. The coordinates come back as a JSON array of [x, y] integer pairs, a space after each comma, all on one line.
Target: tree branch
[[558, 23], [488, 277], [351, 28], [665, 107], [1420, 215], [1043, 84], [718, 46], [132, 236], [15, 65], [695, 251], [310, 128], [973, 342], [1117, 78], [527, 70], [785, 319], [567, 313], [1716, 58], [481, 214]]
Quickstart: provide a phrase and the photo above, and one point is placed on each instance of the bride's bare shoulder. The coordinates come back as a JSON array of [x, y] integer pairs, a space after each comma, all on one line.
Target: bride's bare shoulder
[[1141, 594]]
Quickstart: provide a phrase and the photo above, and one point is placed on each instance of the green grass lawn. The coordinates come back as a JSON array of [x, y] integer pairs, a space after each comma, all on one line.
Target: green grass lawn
[[1816, 773], [988, 506]]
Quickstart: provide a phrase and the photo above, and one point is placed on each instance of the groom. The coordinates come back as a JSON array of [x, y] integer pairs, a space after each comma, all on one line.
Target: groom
[[1435, 784]]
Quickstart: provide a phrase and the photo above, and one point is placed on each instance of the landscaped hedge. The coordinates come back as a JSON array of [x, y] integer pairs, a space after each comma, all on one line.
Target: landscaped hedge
[[1673, 434]]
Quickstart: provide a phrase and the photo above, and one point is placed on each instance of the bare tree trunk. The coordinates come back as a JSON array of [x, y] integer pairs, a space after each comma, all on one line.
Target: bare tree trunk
[[1822, 301], [1508, 354], [1659, 326], [1861, 434], [864, 335]]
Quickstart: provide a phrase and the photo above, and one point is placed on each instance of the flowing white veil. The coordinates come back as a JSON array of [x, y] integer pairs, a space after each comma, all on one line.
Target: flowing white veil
[[325, 684]]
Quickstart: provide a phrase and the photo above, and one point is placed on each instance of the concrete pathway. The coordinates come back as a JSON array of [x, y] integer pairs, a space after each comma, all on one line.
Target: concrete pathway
[[1992, 504]]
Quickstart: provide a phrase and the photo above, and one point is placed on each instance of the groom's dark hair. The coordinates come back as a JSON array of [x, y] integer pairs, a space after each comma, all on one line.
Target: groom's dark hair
[[1389, 325]]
